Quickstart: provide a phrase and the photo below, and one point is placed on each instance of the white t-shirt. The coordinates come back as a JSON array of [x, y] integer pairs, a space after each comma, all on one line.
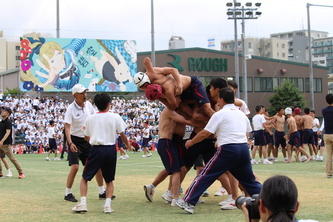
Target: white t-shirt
[[146, 132], [258, 122], [76, 116], [230, 125], [50, 132], [102, 128], [315, 125], [244, 108]]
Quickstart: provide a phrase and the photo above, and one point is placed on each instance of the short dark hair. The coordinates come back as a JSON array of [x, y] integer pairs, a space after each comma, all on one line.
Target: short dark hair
[[227, 95], [306, 110], [51, 122], [329, 98], [233, 84], [279, 195], [312, 111], [258, 108], [218, 83], [279, 109], [102, 101]]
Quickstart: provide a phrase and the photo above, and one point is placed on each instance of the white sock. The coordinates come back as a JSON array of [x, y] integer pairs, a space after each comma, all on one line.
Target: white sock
[[151, 186], [107, 202], [83, 200], [68, 191], [101, 189]]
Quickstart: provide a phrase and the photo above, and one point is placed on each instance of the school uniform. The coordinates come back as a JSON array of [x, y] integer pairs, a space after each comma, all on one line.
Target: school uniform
[[230, 126], [102, 129]]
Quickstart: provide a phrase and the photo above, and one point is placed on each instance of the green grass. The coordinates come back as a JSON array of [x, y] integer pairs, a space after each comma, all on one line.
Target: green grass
[[39, 197]]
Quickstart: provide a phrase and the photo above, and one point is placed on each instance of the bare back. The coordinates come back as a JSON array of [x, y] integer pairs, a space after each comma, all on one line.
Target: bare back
[[308, 121], [292, 126], [299, 122]]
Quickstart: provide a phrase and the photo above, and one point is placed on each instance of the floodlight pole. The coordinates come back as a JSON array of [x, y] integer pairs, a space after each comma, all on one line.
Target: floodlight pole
[[236, 51], [310, 50], [244, 56], [152, 34], [58, 20]]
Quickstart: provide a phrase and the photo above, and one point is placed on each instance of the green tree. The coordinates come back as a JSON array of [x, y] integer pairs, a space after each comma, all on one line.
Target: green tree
[[13, 92], [287, 95]]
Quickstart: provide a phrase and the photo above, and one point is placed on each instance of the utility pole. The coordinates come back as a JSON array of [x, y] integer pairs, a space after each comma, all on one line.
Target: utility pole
[[58, 20], [152, 34], [236, 51]]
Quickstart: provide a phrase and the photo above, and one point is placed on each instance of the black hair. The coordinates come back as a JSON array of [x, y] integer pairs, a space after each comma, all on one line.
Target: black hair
[[227, 95], [312, 111], [51, 122], [279, 195], [306, 110], [233, 84], [218, 83], [329, 98], [279, 109], [102, 101], [258, 108]]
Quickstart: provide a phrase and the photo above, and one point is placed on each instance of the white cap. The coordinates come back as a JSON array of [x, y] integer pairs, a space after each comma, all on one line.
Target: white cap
[[141, 78], [288, 111], [78, 88]]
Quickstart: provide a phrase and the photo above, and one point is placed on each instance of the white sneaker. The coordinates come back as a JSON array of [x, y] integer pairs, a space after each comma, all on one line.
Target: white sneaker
[[149, 192], [79, 208], [121, 158], [126, 157], [167, 196], [259, 161], [205, 194], [227, 201], [221, 192], [189, 208], [107, 209], [47, 159], [253, 162], [144, 156], [174, 203], [321, 158], [229, 206], [149, 154], [266, 161], [9, 173]]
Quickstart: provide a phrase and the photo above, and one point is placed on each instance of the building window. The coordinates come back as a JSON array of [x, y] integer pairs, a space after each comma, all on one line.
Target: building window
[[249, 45], [283, 55], [277, 54], [263, 84], [317, 85], [283, 45], [249, 84]]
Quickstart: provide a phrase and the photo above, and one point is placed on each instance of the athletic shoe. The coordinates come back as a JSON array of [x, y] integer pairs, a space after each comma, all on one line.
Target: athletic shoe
[[259, 161], [200, 201], [229, 206], [266, 161], [189, 208], [56, 158], [107, 209], [226, 201], [121, 158], [221, 192], [205, 194], [167, 197], [103, 196], [9, 173], [80, 208], [144, 156], [253, 161], [149, 192], [47, 158], [126, 157], [321, 158], [149, 154], [173, 203], [70, 197], [21, 176]]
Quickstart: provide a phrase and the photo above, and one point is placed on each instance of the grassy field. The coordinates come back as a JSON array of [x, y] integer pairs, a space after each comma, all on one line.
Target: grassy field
[[39, 197]]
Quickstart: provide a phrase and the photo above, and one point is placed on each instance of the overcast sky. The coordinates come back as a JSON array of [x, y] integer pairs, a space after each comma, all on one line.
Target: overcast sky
[[195, 20]]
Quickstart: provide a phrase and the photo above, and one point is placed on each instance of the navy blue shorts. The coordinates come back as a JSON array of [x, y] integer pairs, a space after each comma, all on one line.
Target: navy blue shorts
[[279, 139], [301, 135], [269, 138], [307, 136], [199, 162], [259, 138], [120, 143], [145, 142], [295, 139], [83, 151], [180, 145], [196, 91], [52, 144], [104, 158], [205, 148], [315, 138], [169, 155]]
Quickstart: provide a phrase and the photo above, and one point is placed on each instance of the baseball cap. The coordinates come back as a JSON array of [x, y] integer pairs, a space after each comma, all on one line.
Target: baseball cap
[[153, 91], [78, 88], [288, 111], [297, 111]]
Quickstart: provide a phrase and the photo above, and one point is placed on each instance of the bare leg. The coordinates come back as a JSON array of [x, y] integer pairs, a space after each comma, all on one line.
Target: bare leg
[[71, 175], [160, 178], [109, 189], [99, 178], [83, 187], [5, 163], [175, 185]]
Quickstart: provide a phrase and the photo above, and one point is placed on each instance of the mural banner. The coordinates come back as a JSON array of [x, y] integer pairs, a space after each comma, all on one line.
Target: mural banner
[[56, 65]]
